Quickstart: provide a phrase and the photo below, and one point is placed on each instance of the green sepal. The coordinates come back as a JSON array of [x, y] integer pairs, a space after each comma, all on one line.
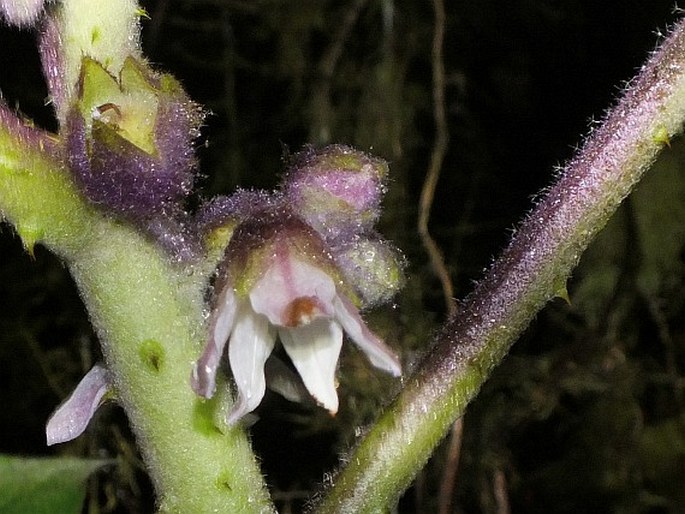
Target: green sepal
[[128, 107]]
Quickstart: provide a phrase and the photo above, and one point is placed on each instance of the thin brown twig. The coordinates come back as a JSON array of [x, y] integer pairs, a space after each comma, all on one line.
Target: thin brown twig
[[437, 262], [437, 158], [449, 477], [500, 490]]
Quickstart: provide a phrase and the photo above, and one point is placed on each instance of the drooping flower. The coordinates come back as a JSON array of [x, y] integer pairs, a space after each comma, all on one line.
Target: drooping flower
[[279, 280]]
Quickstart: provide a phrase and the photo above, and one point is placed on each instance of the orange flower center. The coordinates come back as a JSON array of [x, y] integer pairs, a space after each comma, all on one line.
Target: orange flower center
[[301, 311]]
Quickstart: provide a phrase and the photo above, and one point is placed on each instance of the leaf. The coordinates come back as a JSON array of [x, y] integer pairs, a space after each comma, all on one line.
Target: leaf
[[44, 485], [659, 206]]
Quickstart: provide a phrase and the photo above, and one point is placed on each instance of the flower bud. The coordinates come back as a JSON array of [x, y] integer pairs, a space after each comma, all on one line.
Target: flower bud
[[373, 267], [337, 190], [130, 140]]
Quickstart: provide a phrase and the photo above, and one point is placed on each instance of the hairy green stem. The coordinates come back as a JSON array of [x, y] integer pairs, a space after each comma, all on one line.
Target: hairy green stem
[[150, 336], [148, 313], [531, 271], [146, 309]]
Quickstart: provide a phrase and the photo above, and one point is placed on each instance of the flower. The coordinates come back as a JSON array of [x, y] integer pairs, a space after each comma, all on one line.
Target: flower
[[279, 280]]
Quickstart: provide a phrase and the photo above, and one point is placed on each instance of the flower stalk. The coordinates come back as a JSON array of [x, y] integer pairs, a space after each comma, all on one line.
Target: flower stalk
[[531, 271], [148, 316], [146, 307], [142, 273]]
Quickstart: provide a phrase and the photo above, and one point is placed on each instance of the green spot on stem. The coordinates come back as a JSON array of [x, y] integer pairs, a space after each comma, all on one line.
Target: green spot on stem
[[95, 36], [223, 481], [203, 417], [152, 354], [661, 136]]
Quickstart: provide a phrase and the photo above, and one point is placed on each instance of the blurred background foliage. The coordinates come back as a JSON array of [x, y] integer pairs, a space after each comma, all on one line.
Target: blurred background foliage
[[587, 414]]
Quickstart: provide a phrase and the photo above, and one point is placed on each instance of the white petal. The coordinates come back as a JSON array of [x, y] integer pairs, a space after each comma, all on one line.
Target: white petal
[[72, 417], [314, 350], [375, 349], [251, 343], [224, 314], [203, 376], [287, 280], [284, 381]]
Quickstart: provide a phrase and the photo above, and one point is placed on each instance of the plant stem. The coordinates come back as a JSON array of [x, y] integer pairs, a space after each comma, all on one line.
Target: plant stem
[[531, 271], [148, 313], [150, 335]]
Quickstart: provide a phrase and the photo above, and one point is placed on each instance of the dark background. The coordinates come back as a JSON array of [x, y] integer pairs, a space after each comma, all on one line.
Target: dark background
[[586, 415]]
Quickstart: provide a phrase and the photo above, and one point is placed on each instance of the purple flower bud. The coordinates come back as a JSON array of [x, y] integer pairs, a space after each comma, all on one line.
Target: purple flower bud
[[130, 141], [336, 189]]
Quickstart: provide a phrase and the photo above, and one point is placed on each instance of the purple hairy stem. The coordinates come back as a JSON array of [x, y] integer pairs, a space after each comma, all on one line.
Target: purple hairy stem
[[549, 243], [24, 130], [531, 271], [53, 65]]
